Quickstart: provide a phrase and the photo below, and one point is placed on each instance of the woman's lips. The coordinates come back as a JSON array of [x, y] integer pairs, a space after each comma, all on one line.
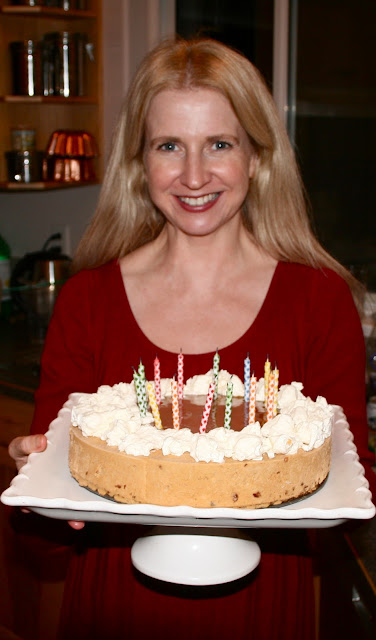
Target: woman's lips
[[199, 203]]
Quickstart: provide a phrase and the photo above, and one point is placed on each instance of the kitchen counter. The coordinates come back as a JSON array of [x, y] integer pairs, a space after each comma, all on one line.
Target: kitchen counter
[[20, 353], [350, 548]]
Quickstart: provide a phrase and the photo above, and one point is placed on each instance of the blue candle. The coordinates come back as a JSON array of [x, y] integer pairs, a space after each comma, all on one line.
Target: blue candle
[[216, 372], [247, 377]]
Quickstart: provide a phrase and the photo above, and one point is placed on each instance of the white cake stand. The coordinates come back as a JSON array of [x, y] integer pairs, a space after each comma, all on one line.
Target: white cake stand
[[187, 545], [202, 556]]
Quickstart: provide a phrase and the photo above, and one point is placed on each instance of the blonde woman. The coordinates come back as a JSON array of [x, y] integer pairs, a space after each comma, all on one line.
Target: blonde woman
[[201, 241]]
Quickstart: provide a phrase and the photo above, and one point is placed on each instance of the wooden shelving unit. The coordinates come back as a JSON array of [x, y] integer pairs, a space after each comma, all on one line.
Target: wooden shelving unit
[[46, 114]]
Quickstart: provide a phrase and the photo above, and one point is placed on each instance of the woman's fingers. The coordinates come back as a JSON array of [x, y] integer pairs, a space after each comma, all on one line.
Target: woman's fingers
[[76, 524], [20, 448]]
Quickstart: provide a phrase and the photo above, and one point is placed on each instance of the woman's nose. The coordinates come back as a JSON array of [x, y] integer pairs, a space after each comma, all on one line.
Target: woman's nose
[[195, 172]]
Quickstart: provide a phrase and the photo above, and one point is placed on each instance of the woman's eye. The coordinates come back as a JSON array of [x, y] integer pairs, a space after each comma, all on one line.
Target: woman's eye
[[221, 144], [167, 146]]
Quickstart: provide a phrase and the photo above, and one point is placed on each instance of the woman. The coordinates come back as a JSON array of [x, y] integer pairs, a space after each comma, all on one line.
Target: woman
[[200, 241]]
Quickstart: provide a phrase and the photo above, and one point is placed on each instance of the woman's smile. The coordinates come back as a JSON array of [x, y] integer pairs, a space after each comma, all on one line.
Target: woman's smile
[[198, 159], [198, 203]]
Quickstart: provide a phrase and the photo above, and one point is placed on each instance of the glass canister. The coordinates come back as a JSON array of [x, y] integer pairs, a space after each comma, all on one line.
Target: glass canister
[[26, 68], [23, 138]]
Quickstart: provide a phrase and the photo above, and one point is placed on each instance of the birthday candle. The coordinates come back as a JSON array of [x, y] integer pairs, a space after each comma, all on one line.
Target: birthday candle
[[270, 401], [216, 372], [252, 400], [247, 373], [207, 407], [140, 389], [141, 376], [141, 370], [266, 379], [276, 383], [228, 407], [180, 375], [157, 379], [175, 404], [153, 405]]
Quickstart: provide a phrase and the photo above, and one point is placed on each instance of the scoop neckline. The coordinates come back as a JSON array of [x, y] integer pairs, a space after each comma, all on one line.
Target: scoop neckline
[[245, 337]]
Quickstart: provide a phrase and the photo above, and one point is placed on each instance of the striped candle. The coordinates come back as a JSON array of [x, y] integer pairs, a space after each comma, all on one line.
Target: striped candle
[[270, 400], [140, 392], [157, 379], [247, 374], [180, 375], [175, 404], [252, 400], [216, 360], [266, 379], [154, 405], [207, 407], [276, 384], [142, 378], [228, 407]]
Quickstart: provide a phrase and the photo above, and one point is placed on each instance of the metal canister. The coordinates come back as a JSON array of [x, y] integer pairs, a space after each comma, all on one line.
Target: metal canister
[[59, 64], [26, 68]]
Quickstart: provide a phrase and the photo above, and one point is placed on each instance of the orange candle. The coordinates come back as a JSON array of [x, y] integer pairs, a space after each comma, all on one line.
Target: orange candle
[[270, 400], [252, 400]]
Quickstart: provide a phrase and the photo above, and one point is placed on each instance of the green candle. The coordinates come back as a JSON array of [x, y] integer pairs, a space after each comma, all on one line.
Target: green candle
[[228, 407], [140, 392]]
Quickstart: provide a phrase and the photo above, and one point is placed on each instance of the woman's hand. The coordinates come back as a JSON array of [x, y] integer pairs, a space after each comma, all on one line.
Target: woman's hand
[[20, 448]]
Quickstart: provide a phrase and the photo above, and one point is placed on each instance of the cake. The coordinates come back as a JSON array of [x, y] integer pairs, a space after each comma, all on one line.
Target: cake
[[119, 453]]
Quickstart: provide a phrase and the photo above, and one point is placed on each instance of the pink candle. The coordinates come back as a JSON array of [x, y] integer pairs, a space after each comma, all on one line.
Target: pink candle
[[252, 400], [180, 375], [276, 384], [175, 404], [207, 407], [270, 402], [157, 380]]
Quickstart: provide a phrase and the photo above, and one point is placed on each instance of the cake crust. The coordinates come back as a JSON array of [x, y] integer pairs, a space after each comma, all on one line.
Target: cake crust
[[179, 480]]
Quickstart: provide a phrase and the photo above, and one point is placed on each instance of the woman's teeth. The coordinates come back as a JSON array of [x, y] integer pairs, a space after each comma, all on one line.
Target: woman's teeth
[[198, 202]]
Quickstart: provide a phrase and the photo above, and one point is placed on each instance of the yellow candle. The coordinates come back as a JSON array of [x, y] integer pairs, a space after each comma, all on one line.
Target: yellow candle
[[175, 404], [154, 405], [266, 379]]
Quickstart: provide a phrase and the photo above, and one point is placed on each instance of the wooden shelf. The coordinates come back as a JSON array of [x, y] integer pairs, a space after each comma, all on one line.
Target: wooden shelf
[[13, 187], [49, 99], [46, 12], [47, 114]]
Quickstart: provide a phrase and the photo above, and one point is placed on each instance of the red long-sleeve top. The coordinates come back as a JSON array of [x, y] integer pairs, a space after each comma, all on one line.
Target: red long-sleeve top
[[309, 326]]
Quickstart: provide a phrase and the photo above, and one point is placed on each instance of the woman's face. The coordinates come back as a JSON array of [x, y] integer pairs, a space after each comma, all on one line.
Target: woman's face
[[198, 159]]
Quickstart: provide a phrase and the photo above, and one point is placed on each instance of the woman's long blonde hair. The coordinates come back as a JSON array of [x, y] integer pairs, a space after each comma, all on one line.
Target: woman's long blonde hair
[[274, 211]]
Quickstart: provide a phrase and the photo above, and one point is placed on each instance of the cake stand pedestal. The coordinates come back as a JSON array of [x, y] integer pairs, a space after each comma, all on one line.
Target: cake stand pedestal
[[195, 556]]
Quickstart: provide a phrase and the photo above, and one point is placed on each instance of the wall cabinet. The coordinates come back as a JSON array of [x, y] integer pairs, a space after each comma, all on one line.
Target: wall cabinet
[[47, 113]]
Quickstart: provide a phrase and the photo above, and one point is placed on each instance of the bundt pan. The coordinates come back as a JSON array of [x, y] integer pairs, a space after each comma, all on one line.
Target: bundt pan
[[67, 143]]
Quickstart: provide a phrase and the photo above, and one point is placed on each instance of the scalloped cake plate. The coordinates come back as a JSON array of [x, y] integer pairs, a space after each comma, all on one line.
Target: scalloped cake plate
[[46, 486]]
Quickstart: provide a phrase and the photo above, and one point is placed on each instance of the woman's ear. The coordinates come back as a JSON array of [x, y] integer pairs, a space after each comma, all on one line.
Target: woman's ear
[[253, 163]]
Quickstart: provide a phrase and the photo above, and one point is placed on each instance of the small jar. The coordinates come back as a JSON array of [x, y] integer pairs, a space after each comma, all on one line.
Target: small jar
[[23, 138]]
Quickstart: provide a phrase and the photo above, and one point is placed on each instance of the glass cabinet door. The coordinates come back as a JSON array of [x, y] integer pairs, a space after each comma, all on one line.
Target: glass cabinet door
[[246, 25], [335, 125], [324, 51]]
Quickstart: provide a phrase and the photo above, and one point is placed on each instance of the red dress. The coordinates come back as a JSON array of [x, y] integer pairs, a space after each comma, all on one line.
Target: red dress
[[309, 326]]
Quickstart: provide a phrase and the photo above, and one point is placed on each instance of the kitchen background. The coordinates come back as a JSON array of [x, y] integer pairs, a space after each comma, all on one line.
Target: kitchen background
[[329, 106], [318, 58]]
